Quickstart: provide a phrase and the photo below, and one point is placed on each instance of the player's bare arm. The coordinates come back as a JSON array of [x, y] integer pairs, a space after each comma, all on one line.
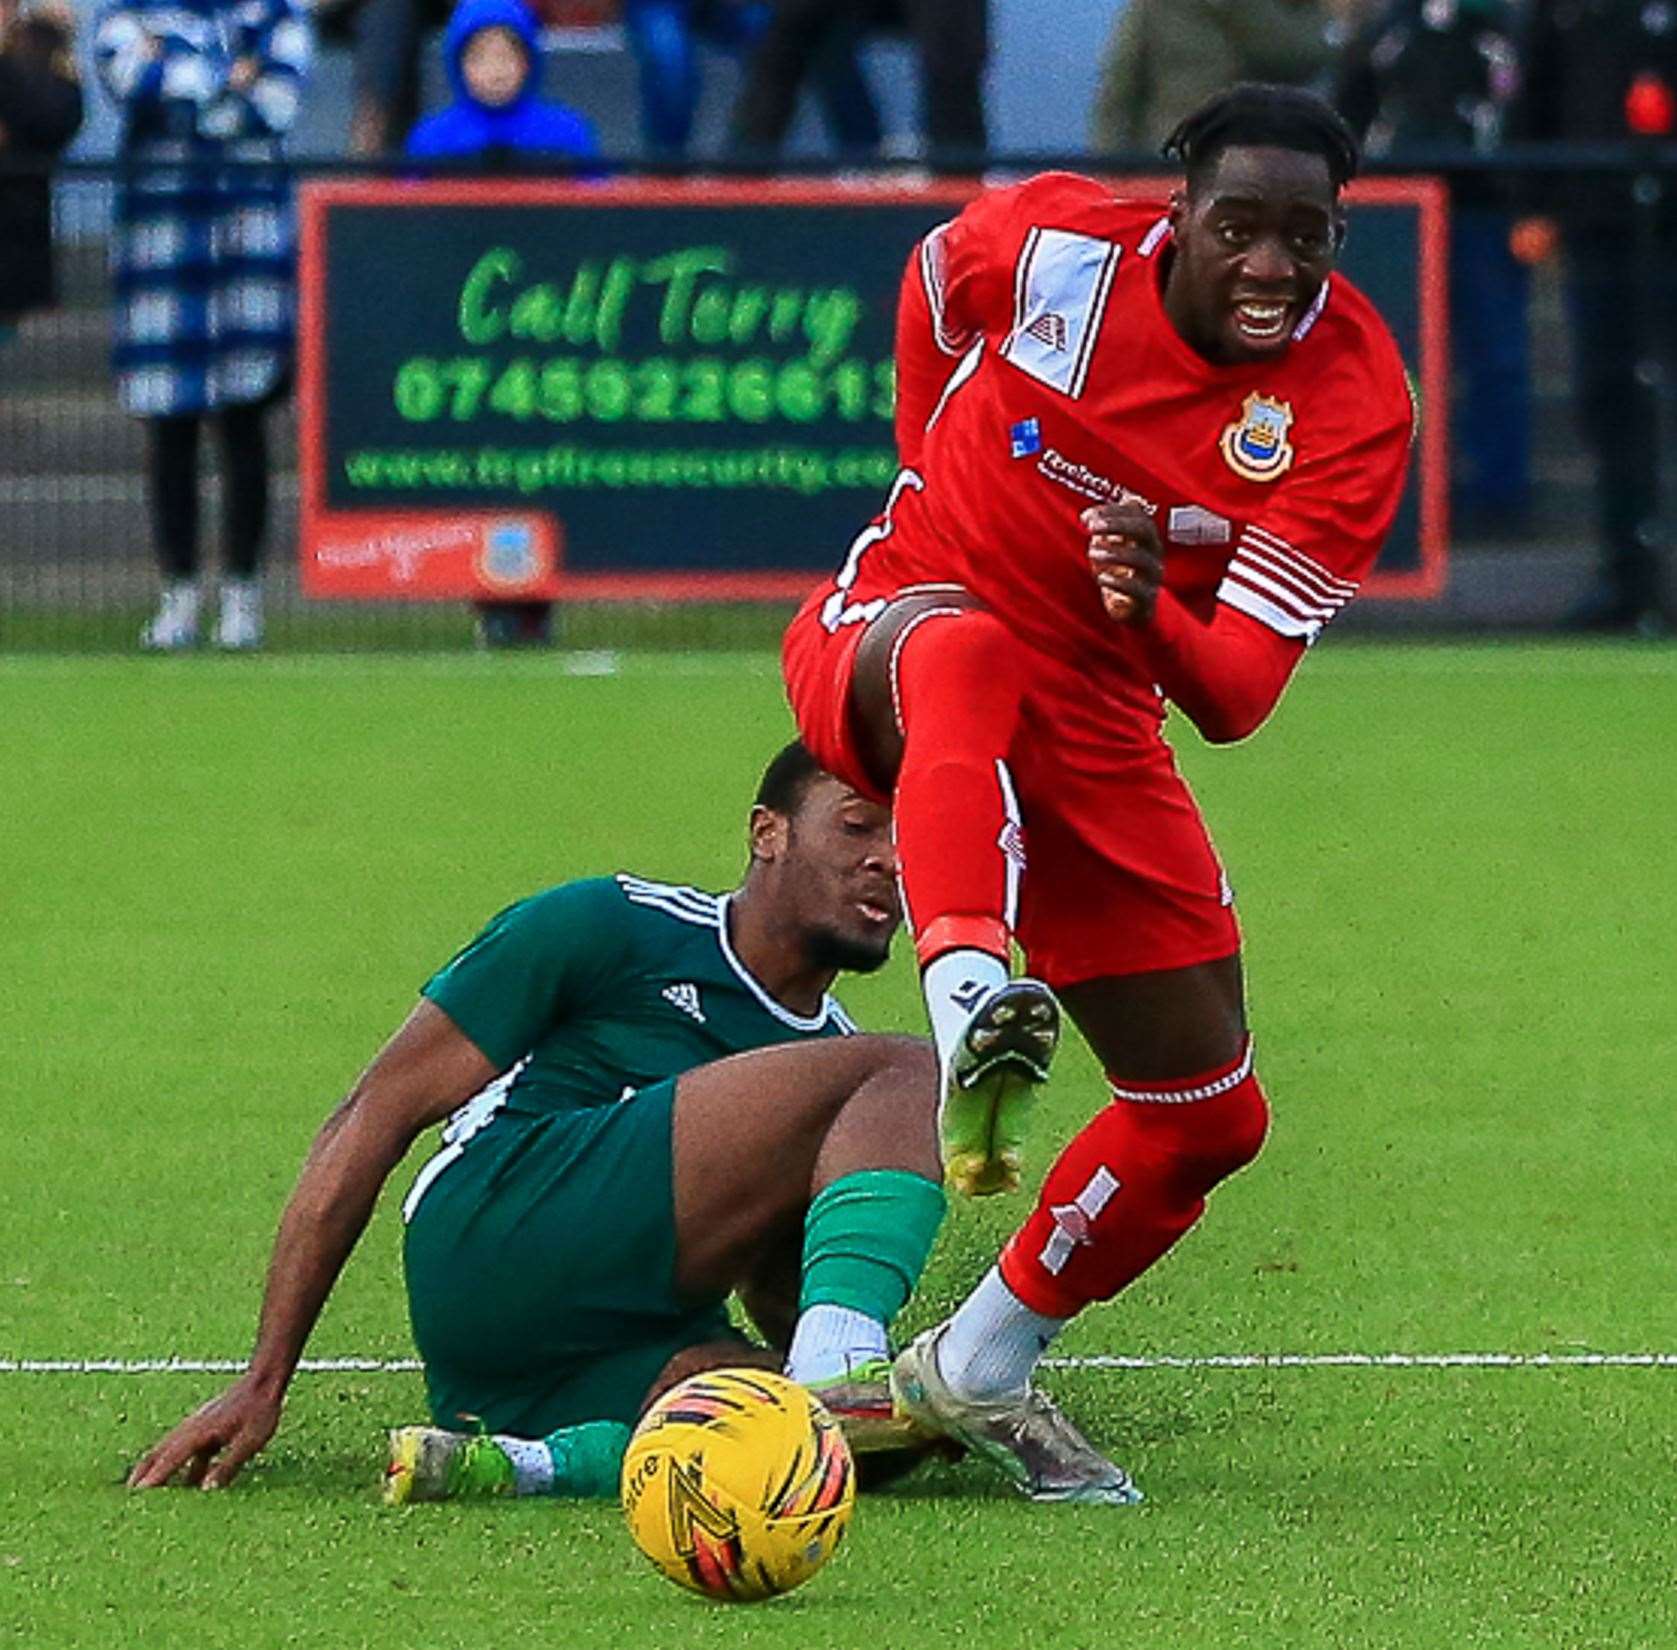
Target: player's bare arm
[[1126, 559], [427, 1070]]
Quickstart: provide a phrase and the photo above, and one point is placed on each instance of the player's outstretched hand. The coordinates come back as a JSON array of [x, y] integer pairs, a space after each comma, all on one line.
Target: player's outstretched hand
[[210, 1446], [1125, 559]]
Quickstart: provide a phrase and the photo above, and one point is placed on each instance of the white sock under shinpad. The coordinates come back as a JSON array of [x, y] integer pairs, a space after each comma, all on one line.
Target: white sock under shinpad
[[532, 1464], [992, 1344], [831, 1340]]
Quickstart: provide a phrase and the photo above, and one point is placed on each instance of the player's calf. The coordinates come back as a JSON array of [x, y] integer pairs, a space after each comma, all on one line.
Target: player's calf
[[866, 1239], [1131, 1183]]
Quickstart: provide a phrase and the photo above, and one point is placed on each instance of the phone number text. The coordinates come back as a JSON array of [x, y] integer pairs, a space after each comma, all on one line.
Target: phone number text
[[568, 389]]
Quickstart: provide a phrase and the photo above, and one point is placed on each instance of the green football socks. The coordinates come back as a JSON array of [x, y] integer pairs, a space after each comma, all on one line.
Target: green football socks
[[584, 1461], [866, 1239], [587, 1459]]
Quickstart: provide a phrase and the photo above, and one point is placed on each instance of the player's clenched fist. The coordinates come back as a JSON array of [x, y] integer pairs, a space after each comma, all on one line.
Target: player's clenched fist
[[1124, 557]]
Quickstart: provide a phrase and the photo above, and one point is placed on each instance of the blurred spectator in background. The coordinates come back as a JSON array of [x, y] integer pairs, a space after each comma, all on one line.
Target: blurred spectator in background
[[1605, 72], [388, 40], [40, 111], [1444, 73], [665, 36], [203, 253], [492, 55], [1166, 57], [807, 37]]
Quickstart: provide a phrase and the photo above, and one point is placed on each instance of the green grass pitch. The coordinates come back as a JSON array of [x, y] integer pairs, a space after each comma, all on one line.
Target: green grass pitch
[[221, 882]]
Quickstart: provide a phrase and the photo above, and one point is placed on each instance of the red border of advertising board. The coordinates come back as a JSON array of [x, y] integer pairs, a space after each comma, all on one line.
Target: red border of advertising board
[[316, 199]]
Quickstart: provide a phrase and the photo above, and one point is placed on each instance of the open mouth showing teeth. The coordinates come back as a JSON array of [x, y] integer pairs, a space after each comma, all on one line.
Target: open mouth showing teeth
[[1260, 322], [874, 912]]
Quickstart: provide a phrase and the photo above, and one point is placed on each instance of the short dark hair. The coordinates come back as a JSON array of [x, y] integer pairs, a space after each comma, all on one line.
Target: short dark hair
[[1259, 116], [786, 779]]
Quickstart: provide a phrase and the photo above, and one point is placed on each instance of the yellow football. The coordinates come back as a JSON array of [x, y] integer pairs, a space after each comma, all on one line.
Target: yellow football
[[738, 1484]]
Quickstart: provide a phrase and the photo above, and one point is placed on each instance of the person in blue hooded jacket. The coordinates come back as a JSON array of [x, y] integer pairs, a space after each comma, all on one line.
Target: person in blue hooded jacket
[[493, 60]]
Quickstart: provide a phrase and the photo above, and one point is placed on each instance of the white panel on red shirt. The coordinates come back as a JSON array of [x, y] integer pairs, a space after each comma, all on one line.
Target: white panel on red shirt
[[1061, 286], [1270, 581]]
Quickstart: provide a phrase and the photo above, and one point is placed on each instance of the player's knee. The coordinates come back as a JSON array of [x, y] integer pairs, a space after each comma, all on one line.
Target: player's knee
[[1247, 1126], [892, 1109], [1196, 1144], [910, 1061], [1231, 1134], [986, 645], [961, 655], [881, 1060], [886, 1048]]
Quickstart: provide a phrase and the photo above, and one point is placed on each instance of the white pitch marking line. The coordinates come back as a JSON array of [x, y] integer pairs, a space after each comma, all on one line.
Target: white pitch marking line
[[1380, 1360], [199, 1366], [1230, 1360], [602, 663]]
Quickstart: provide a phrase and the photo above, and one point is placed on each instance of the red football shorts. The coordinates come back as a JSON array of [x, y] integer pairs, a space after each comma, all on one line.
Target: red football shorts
[[1120, 874]]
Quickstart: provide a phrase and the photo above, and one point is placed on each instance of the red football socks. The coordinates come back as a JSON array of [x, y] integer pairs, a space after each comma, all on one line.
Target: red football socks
[[1131, 1183], [958, 678]]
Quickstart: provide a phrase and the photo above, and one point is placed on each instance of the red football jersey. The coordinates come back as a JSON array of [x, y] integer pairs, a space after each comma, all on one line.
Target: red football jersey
[[1039, 373]]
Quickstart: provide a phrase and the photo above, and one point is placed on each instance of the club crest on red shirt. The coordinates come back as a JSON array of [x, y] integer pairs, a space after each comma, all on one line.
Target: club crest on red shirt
[[1255, 445]]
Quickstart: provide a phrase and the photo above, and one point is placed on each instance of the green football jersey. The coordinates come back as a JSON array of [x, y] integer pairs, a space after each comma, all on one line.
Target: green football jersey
[[594, 989]]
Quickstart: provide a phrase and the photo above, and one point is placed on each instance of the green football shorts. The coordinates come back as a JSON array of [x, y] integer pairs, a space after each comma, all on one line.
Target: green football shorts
[[541, 1270]]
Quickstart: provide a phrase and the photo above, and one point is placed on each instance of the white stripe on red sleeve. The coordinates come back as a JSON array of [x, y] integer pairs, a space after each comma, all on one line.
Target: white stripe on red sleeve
[[1022, 278], [1270, 581], [1261, 536], [1281, 572], [934, 262]]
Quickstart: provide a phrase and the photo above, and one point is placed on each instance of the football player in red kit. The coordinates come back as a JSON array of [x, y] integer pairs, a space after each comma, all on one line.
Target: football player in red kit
[[1149, 450]]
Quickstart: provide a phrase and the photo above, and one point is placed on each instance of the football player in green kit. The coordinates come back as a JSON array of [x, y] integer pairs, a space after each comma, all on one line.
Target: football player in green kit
[[652, 1103]]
